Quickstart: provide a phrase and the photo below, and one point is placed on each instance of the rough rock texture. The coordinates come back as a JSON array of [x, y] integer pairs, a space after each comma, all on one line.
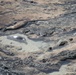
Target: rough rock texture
[[50, 21]]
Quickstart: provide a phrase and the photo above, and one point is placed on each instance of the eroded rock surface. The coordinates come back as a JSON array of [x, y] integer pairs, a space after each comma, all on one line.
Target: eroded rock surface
[[37, 37]]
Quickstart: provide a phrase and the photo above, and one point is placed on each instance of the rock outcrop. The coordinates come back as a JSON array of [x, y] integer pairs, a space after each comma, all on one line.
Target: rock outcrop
[[49, 26]]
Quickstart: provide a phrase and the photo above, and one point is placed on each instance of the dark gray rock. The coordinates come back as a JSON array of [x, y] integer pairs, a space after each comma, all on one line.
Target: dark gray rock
[[65, 55], [7, 52], [62, 43]]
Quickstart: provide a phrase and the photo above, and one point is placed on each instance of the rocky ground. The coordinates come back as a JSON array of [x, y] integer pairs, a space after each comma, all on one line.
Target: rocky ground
[[37, 37]]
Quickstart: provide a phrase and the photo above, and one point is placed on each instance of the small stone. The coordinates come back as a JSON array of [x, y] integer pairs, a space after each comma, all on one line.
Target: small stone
[[31, 1], [44, 60], [50, 48], [63, 43], [6, 68], [71, 39]]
